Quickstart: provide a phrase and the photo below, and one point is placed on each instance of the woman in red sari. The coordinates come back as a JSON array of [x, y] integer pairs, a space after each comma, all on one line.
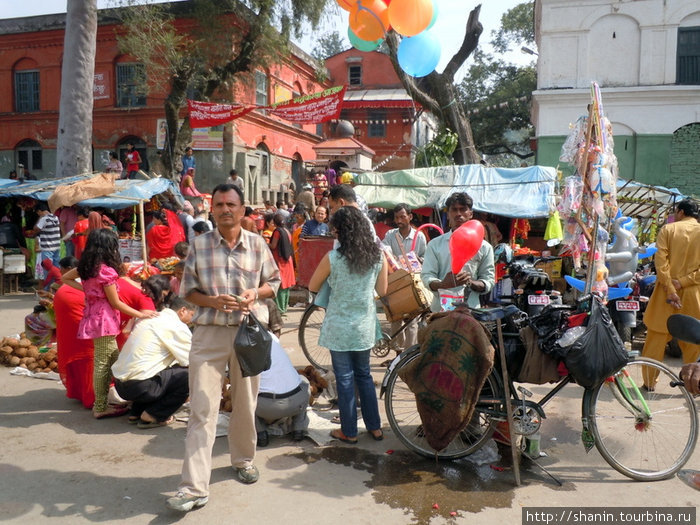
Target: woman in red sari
[[74, 355], [283, 253], [159, 238]]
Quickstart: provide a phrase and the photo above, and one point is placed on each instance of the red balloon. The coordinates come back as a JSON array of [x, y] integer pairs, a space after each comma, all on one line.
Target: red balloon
[[465, 243]]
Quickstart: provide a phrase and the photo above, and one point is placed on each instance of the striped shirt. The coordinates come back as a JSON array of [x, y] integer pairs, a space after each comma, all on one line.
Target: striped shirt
[[49, 233], [213, 268]]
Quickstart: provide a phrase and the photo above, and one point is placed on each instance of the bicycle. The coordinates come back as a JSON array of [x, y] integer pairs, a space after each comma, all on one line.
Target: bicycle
[[320, 357], [645, 435]]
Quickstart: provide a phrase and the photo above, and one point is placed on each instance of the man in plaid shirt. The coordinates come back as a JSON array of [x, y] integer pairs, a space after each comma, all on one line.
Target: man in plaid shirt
[[227, 272]]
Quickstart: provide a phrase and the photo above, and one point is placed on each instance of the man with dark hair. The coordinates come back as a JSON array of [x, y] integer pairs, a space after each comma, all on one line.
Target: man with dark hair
[[476, 276], [677, 289], [48, 233], [188, 161], [400, 240], [227, 273], [151, 370], [235, 179], [341, 195], [306, 197]]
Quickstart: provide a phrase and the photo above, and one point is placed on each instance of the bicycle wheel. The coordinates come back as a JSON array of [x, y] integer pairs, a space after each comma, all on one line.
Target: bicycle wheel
[[309, 332], [402, 413], [644, 435]]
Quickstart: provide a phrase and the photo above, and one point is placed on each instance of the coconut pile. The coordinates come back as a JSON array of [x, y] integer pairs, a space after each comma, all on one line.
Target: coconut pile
[[21, 352]]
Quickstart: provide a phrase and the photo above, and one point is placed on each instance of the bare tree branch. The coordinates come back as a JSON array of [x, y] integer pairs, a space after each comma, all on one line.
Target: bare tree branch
[[471, 41]]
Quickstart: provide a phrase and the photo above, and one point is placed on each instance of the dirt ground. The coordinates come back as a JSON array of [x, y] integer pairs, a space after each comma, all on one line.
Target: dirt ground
[[59, 465]]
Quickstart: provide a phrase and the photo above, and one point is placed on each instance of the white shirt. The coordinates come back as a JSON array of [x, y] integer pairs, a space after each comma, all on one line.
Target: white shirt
[[154, 345], [282, 377], [236, 182], [392, 242]]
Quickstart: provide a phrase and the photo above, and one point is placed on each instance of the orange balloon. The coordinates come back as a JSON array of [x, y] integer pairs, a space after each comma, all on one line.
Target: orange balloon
[[348, 5], [369, 20], [410, 17]]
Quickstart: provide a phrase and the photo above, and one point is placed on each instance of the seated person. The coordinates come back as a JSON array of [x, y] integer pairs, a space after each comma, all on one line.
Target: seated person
[[53, 274], [317, 225], [283, 393], [150, 369]]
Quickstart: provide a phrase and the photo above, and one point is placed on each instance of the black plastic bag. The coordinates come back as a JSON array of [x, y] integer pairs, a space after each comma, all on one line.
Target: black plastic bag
[[253, 345], [598, 352]]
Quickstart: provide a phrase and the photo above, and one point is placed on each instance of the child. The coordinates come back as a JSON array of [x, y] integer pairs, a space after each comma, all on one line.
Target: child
[[99, 269]]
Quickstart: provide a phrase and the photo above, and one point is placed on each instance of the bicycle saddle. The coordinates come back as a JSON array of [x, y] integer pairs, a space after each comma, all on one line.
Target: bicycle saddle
[[684, 327]]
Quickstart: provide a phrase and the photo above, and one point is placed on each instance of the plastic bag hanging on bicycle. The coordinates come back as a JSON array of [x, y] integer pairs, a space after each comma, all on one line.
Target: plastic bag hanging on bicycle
[[598, 352], [456, 357]]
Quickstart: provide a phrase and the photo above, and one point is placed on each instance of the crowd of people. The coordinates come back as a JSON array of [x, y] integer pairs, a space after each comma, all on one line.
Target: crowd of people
[[132, 331]]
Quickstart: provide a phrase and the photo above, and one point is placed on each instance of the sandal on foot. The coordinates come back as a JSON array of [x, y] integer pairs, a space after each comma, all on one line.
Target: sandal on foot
[[338, 434], [156, 424], [377, 434], [110, 412]]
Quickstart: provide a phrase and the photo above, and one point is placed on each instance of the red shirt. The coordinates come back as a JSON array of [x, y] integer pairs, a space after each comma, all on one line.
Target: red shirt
[[381, 228], [53, 276], [134, 297], [80, 236]]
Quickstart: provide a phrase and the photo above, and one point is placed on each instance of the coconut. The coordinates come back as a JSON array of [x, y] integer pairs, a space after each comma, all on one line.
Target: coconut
[[14, 361], [42, 363], [32, 351], [53, 365], [32, 366], [12, 341], [47, 370], [7, 349], [25, 342]]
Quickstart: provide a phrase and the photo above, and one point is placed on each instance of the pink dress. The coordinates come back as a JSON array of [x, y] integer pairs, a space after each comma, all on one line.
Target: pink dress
[[99, 319]]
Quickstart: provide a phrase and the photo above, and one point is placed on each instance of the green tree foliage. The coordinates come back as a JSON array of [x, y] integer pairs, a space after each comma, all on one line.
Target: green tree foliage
[[497, 94], [439, 151], [213, 45], [329, 44]]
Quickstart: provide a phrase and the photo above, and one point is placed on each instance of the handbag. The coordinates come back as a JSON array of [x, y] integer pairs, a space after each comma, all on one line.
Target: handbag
[[253, 345]]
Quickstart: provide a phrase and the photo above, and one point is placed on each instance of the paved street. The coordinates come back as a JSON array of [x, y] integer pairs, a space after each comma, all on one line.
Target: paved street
[[59, 465]]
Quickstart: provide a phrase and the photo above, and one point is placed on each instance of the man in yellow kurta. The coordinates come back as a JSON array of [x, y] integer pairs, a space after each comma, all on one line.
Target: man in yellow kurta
[[677, 288]]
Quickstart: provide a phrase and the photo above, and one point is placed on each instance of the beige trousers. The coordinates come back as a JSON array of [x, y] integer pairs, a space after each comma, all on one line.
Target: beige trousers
[[654, 348], [212, 349]]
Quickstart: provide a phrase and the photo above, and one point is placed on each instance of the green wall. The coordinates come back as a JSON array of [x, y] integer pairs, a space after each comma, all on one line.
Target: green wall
[[644, 158]]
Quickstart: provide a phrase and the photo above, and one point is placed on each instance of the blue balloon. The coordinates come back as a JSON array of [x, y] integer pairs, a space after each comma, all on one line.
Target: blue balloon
[[419, 55]]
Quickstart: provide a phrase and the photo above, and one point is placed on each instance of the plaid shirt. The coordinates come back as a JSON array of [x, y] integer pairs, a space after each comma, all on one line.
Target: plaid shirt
[[213, 268]]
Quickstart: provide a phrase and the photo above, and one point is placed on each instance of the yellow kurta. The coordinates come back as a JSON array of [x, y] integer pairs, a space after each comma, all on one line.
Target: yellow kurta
[[678, 257]]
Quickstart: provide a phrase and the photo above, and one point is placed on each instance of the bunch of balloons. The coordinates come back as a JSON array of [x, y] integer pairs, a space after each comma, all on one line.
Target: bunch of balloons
[[369, 20]]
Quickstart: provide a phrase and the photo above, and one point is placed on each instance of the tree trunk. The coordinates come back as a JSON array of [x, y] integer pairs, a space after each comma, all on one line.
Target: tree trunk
[[436, 92], [74, 146]]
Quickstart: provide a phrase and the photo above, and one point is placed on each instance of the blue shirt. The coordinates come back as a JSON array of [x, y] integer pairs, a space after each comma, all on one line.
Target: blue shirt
[[187, 163], [313, 227]]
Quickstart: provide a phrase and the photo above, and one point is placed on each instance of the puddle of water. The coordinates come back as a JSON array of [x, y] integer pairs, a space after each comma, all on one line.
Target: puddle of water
[[404, 480]]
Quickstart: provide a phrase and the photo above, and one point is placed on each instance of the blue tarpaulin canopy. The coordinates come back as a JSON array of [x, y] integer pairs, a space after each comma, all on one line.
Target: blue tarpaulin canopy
[[511, 192], [128, 192]]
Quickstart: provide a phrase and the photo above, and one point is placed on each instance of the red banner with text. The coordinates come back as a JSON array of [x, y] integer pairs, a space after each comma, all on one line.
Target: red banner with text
[[306, 109]]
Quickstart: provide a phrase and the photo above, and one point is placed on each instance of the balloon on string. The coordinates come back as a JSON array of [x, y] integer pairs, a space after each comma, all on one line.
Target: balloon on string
[[363, 45], [465, 243], [369, 20], [410, 17], [419, 55], [348, 5]]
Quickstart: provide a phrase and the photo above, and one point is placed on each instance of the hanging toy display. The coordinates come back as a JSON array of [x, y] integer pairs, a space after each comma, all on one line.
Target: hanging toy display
[[589, 197]]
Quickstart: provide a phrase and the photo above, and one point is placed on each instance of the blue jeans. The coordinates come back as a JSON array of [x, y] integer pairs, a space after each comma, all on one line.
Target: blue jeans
[[55, 256], [352, 368]]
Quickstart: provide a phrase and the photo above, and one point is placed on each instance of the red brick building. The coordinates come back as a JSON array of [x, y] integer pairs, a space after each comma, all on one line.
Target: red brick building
[[268, 151], [384, 116]]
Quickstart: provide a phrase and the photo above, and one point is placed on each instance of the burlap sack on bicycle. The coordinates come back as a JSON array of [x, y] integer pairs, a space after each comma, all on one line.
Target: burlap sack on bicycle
[[456, 357], [538, 368]]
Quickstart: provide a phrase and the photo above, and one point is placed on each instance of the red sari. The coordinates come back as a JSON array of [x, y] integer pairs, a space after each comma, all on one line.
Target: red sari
[[74, 355], [80, 236], [131, 296], [159, 241]]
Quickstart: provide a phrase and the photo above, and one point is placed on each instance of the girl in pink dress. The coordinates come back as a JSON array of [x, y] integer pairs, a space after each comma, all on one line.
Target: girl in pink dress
[[99, 269]]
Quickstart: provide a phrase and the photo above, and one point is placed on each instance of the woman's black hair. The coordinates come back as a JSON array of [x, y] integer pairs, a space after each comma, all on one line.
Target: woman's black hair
[[102, 247], [201, 227], [269, 217], [278, 219], [161, 216], [157, 287], [356, 239]]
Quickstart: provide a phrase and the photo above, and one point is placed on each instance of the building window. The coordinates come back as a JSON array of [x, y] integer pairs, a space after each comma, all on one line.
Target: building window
[[29, 155], [377, 124], [260, 88], [319, 129], [131, 84], [355, 75], [26, 91], [688, 58]]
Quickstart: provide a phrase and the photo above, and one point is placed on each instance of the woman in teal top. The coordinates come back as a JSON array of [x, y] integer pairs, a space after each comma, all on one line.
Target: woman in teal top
[[354, 271]]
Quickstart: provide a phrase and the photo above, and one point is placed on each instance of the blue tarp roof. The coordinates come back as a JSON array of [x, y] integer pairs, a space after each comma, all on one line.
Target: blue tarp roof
[[127, 193], [512, 192]]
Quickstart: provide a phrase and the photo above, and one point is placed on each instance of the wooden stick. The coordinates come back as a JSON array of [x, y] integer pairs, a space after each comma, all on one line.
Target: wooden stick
[[514, 449], [142, 223]]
